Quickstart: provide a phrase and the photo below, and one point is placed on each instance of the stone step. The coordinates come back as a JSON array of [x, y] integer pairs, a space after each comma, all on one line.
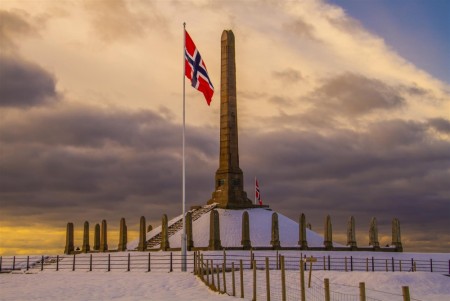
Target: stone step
[[178, 225]]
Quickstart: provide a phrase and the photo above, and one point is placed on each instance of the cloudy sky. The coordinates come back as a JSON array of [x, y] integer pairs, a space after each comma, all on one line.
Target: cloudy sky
[[344, 109]]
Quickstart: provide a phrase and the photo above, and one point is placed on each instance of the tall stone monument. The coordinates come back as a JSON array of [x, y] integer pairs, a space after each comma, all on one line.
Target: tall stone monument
[[229, 181]]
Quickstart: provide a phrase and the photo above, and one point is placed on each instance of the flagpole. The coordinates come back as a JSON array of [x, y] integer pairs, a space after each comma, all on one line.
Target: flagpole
[[255, 190], [183, 236]]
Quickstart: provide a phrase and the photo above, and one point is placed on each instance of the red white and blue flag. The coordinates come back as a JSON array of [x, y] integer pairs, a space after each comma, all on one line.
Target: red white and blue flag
[[196, 69], [257, 193]]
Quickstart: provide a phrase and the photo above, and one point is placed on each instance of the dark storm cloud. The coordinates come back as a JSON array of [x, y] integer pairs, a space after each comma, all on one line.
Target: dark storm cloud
[[25, 84], [117, 20], [440, 124], [86, 162], [13, 24], [392, 169], [353, 94]]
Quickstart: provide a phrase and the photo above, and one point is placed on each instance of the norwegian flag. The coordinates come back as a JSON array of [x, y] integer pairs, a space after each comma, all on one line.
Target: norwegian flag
[[257, 193], [196, 69]]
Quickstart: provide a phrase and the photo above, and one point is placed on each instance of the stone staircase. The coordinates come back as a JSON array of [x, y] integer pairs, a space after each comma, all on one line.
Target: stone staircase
[[178, 225]]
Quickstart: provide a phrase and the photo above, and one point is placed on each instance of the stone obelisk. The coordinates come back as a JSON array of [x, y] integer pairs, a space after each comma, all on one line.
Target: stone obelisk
[[229, 181]]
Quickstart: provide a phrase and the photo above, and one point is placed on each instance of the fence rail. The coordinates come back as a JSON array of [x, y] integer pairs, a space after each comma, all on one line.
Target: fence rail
[[147, 261]]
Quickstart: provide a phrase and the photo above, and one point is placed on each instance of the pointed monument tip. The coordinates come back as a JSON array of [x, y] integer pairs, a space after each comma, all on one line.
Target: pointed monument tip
[[227, 35]]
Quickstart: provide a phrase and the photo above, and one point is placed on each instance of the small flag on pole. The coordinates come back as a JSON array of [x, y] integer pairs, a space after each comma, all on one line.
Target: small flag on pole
[[196, 69], [257, 193]]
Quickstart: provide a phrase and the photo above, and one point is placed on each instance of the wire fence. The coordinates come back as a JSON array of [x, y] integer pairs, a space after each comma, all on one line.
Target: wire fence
[[249, 275], [276, 277]]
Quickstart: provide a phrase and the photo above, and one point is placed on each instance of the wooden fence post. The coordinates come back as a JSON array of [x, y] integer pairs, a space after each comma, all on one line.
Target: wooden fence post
[[327, 289], [28, 262], [195, 263], [351, 263], [14, 263], [57, 262], [329, 263], [393, 264], [73, 266], [207, 270], [405, 291], [224, 278], [431, 265], [90, 263], [218, 278], [387, 269], [212, 275], [302, 281], [171, 262], [1, 257], [346, 263], [276, 262], [267, 279], [42, 263], [373, 265], [241, 271], [254, 280], [129, 262], [400, 265], [109, 262], [283, 280], [362, 291], [233, 282]]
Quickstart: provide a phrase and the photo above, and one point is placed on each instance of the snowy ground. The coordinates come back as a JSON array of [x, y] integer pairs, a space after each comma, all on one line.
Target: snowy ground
[[67, 285]]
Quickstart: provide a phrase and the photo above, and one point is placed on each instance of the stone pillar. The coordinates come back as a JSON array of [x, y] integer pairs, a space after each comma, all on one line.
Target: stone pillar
[[164, 233], [97, 237], [302, 241], [229, 181], [103, 237], [373, 234], [351, 234], [214, 231], [123, 237], [275, 242], [85, 247], [149, 228], [328, 235], [396, 235], [245, 242], [142, 235], [69, 239], [189, 237]]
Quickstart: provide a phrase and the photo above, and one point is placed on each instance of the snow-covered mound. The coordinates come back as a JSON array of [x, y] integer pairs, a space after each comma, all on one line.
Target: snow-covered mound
[[231, 230]]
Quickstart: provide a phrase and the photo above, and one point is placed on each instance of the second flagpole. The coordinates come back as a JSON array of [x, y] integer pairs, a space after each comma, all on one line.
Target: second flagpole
[[183, 236]]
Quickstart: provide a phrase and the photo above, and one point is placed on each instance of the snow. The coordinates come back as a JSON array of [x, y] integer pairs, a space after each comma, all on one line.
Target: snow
[[66, 285], [231, 230]]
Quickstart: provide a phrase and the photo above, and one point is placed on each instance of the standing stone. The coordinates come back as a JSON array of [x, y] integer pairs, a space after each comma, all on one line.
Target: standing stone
[[328, 235], [373, 234], [351, 234], [308, 225], [396, 235], [214, 231], [142, 235], [69, 239], [302, 241], [85, 247], [164, 233], [189, 237], [245, 242], [103, 237], [123, 236], [275, 242], [149, 228], [97, 237], [229, 181]]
